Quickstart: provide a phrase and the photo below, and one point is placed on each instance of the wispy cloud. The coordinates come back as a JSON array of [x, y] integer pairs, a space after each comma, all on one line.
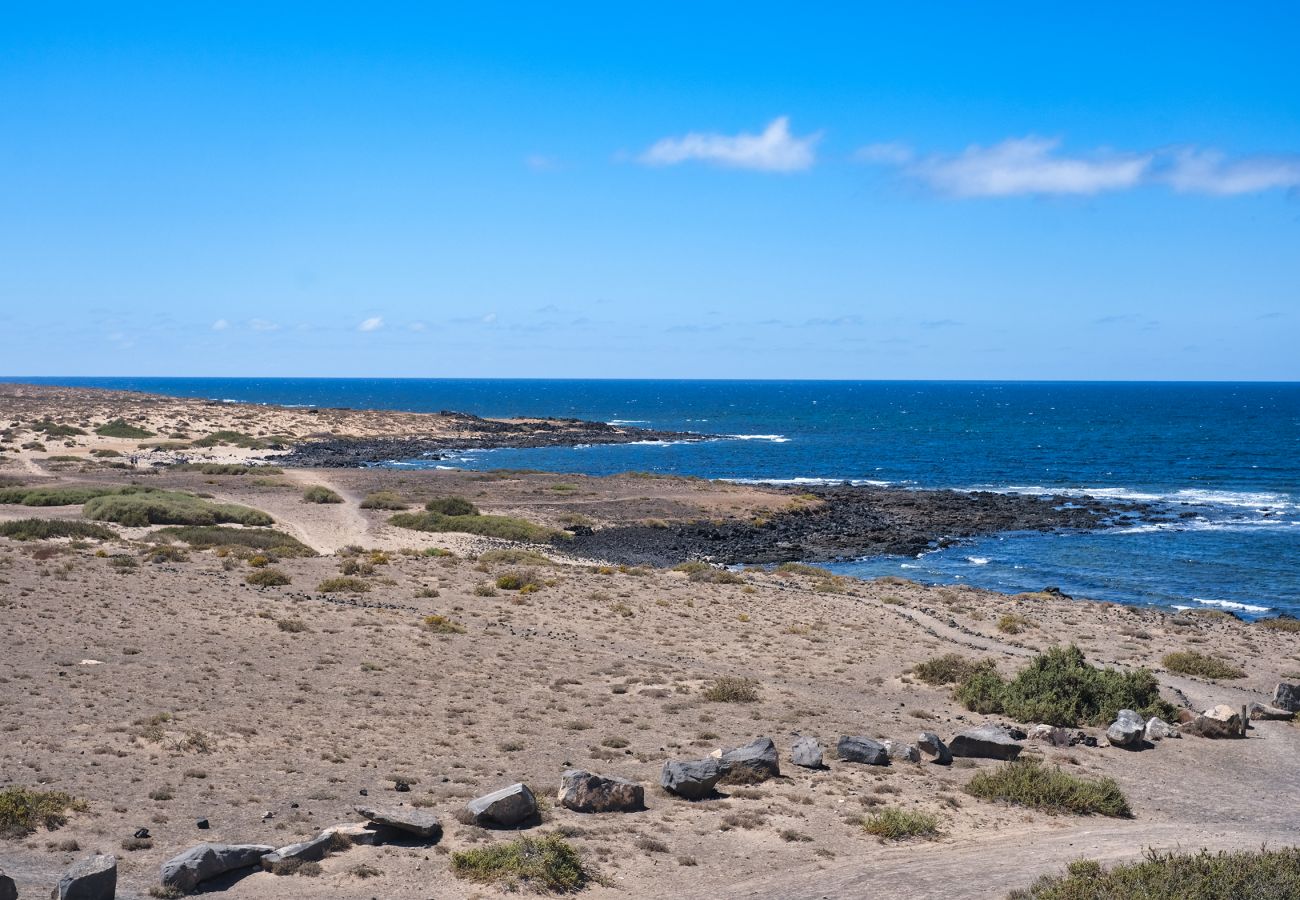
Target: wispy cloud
[[262, 325], [775, 150], [1035, 165], [374, 323], [220, 325]]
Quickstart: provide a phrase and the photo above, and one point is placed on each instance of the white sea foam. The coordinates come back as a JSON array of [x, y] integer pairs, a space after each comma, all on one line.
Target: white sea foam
[[1231, 604], [857, 482], [774, 438], [1257, 500], [978, 560], [628, 422]]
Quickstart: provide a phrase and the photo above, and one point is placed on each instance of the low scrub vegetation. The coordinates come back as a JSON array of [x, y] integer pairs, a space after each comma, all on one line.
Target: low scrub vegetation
[[1060, 688], [237, 439], [443, 625], [796, 568], [121, 428], [1013, 623], [268, 577], [343, 585], [1169, 875], [1281, 623], [703, 572], [542, 864], [215, 537], [1027, 782], [142, 507], [730, 689], [56, 429], [514, 557], [44, 529], [384, 500], [1189, 662], [950, 668], [22, 811], [318, 493], [504, 527], [894, 824], [451, 506], [225, 469], [56, 495]]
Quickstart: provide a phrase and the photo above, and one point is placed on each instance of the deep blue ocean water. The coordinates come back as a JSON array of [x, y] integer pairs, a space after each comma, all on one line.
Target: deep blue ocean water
[[1229, 453]]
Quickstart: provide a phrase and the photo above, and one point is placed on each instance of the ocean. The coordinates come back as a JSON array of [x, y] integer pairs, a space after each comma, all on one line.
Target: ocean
[[1227, 455]]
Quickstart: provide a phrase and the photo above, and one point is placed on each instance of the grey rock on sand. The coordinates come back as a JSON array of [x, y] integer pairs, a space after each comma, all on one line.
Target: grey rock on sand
[[200, 863], [806, 752], [903, 751], [932, 746], [1219, 722], [754, 762], [506, 808], [307, 851], [862, 750], [1126, 730], [367, 834], [94, 878], [583, 791], [8, 890], [985, 742], [404, 818], [691, 779], [1158, 729], [1287, 696]]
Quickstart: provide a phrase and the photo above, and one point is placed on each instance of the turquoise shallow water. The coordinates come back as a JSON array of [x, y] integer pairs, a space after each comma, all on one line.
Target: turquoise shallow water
[[1228, 455]]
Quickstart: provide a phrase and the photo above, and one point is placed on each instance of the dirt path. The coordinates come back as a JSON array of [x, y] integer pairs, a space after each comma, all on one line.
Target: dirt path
[[325, 527]]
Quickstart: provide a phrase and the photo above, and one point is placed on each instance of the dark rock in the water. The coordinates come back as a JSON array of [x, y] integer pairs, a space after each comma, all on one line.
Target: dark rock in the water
[[404, 818], [756, 761], [862, 750], [94, 878], [583, 791], [196, 865], [509, 807], [691, 779], [985, 742], [806, 752]]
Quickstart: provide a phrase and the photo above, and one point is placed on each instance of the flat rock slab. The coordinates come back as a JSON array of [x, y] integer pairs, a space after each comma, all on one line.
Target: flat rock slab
[[205, 861], [1260, 711], [307, 851], [985, 742], [586, 792], [691, 779], [94, 878], [806, 752], [404, 818], [755, 762], [860, 749], [365, 834], [507, 808]]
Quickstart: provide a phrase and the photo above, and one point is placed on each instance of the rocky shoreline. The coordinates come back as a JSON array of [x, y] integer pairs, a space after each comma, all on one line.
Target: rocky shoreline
[[488, 434], [854, 522]]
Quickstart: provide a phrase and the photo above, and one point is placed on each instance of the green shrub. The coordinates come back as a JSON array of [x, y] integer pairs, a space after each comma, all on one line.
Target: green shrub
[[235, 438], [517, 580], [1059, 688], [343, 586], [56, 429], [1027, 782], [950, 668], [794, 568], [384, 500], [451, 506], [165, 553], [268, 578], [730, 689], [894, 824], [56, 495], [707, 574], [1013, 623], [225, 469], [1280, 623], [443, 625], [150, 507], [318, 493], [120, 428], [22, 811], [44, 529], [1170, 875], [503, 527], [546, 863], [512, 556], [1189, 662], [208, 537], [104, 453]]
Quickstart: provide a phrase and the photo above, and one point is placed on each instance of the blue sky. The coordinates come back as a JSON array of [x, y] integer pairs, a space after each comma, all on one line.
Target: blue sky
[[889, 191]]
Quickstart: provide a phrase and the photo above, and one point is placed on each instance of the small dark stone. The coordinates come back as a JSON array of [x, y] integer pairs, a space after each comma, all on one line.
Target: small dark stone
[[142, 833], [364, 792], [401, 787], [201, 824]]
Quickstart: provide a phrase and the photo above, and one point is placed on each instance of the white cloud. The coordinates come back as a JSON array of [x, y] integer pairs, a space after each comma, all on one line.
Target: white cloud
[[418, 326], [374, 323], [1210, 172], [262, 325], [220, 325], [1027, 166], [1033, 165], [775, 150], [489, 318]]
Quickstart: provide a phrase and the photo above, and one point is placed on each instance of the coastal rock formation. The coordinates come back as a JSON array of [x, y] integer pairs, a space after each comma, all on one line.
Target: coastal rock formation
[[691, 779], [94, 878], [806, 752], [985, 742], [585, 792], [412, 821], [188, 870], [932, 746], [862, 750], [507, 808], [1126, 730], [754, 762]]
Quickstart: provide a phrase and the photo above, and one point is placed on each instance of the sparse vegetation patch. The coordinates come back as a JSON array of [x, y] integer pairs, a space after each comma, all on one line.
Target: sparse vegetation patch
[[1190, 662], [44, 529], [1168, 875], [546, 863], [1027, 782]]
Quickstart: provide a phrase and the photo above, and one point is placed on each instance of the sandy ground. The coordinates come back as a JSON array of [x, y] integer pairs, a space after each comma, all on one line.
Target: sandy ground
[[288, 701]]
